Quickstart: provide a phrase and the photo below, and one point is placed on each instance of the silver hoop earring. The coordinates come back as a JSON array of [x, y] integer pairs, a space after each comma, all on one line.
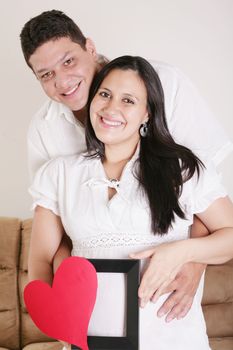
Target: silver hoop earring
[[143, 130]]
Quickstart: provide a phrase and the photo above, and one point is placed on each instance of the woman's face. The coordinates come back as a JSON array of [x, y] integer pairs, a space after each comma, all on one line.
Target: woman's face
[[119, 108]]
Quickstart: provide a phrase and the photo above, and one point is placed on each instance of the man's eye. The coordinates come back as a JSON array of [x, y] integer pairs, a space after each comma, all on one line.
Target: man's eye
[[128, 100], [68, 62], [46, 76], [104, 94]]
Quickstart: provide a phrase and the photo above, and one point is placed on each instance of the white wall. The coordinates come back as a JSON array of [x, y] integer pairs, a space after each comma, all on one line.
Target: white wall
[[195, 35]]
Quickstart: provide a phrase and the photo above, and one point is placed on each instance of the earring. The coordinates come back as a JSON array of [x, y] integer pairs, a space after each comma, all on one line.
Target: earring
[[143, 130]]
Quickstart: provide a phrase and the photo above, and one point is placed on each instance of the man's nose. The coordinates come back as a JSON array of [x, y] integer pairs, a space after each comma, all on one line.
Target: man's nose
[[62, 81]]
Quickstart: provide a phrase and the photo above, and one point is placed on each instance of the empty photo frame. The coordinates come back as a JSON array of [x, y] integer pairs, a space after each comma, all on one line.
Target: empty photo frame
[[130, 341]]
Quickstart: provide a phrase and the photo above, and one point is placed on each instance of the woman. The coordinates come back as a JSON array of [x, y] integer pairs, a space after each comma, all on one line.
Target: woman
[[135, 189]]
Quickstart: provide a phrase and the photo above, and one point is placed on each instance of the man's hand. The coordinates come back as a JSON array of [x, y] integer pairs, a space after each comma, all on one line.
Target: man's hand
[[165, 262], [183, 290], [167, 271], [184, 286]]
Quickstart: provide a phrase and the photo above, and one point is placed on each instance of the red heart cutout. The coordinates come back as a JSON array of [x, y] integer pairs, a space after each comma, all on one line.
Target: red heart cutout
[[63, 311]]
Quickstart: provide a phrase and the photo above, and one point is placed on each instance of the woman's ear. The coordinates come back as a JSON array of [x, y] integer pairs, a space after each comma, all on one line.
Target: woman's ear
[[147, 117], [90, 47]]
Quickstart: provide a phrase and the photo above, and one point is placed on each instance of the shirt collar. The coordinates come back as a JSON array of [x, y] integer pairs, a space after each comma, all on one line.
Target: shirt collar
[[59, 110]]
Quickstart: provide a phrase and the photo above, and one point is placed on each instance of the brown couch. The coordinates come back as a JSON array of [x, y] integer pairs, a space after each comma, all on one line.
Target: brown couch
[[17, 331]]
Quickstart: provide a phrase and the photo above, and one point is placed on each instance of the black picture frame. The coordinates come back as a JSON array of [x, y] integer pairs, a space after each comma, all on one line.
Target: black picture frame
[[131, 340]]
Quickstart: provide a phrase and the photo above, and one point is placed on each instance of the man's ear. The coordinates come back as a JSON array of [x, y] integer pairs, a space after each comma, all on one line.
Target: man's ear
[[90, 47]]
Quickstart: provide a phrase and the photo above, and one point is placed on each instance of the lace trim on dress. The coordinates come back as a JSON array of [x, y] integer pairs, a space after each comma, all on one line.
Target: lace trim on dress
[[124, 240]]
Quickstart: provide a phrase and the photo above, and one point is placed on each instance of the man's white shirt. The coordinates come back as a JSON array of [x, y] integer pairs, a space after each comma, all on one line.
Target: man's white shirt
[[54, 131]]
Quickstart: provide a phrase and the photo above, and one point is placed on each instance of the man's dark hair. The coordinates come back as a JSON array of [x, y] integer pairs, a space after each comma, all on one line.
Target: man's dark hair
[[49, 25], [163, 165]]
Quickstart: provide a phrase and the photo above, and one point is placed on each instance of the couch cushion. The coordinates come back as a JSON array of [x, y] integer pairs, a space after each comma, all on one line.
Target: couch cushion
[[218, 300], [44, 346], [9, 257], [221, 343]]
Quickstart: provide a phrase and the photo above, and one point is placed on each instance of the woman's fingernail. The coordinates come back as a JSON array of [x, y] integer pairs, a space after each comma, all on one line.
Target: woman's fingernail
[[161, 313], [142, 303]]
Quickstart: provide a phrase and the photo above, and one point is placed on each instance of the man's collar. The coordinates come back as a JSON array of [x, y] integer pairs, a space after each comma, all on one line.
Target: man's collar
[[58, 110]]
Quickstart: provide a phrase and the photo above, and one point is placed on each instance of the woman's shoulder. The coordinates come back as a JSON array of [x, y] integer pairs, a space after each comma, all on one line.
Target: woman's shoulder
[[203, 188], [70, 161], [63, 169]]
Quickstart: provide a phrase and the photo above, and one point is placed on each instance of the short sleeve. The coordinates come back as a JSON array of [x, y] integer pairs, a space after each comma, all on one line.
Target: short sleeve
[[206, 189], [44, 189]]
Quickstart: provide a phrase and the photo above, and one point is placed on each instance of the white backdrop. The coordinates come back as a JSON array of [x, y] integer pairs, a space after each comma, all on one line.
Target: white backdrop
[[195, 35]]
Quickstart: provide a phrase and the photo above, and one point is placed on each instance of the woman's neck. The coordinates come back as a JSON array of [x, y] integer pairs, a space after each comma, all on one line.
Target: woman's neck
[[116, 157]]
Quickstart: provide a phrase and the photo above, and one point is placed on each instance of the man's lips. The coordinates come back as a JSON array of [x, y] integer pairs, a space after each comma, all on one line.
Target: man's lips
[[72, 90]]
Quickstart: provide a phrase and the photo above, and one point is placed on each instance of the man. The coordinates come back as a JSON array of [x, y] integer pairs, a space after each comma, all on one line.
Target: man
[[65, 63]]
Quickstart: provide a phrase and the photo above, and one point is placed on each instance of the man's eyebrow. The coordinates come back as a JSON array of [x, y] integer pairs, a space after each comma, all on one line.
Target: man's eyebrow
[[42, 70]]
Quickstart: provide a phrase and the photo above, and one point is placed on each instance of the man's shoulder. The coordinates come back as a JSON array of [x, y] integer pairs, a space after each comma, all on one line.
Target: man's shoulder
[[49, 109], [167, 71], [42, 112]]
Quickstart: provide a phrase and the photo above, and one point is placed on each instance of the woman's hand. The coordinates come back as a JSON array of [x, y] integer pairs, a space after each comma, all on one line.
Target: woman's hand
[[166, 261], [66, 346]]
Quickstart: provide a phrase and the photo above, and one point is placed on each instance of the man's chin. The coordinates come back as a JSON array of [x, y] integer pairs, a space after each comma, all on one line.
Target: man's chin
[[76, 106]]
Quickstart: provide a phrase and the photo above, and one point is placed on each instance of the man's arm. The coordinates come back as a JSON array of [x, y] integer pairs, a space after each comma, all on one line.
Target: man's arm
[[191, 124]]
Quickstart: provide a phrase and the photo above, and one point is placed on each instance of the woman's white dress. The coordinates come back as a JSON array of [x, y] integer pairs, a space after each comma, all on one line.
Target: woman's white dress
[[76, 189]]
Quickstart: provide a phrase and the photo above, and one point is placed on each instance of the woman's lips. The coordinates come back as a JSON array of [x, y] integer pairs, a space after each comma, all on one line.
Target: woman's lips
[[113, 123]]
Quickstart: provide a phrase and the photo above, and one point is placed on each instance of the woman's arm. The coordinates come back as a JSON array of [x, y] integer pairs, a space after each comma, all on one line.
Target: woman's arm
[[47, 232], [64, 251], [216, 248], [166, 259]]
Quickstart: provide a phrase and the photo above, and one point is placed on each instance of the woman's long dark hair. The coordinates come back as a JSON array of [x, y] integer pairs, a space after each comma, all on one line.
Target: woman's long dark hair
[[163, 165]]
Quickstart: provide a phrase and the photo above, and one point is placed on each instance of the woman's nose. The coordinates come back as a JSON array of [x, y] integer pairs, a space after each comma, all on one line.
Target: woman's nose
[[112, 106]]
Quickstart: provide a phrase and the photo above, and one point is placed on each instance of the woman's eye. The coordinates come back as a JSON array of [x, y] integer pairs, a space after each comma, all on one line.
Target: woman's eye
[[104, 94], [128, 100]]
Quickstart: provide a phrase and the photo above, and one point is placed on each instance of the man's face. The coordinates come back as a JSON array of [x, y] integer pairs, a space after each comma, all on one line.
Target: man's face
[[65, 70]]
